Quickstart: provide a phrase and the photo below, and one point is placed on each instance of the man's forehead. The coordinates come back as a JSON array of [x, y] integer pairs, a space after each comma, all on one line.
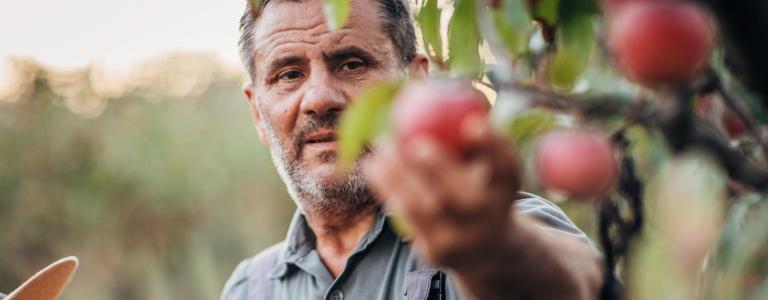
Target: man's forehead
[[303, 21]]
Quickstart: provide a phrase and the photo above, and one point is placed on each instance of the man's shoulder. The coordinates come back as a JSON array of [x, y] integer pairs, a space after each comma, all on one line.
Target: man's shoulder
[[252, 275], [548, 213]]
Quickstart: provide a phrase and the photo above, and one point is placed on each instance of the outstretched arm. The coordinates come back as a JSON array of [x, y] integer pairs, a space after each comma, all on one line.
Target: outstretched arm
[[458, 208]]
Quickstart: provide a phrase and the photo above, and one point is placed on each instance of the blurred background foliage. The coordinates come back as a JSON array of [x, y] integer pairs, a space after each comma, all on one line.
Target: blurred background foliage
[[156, 180]]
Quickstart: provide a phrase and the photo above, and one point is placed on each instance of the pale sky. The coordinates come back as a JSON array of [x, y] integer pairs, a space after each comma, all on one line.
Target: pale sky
[[116, 34]]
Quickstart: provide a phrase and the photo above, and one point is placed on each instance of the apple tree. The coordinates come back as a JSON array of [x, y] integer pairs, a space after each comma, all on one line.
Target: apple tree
[[649, 113]]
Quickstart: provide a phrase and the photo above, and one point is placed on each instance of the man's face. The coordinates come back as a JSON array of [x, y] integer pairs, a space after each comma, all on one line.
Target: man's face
[[305, 75]]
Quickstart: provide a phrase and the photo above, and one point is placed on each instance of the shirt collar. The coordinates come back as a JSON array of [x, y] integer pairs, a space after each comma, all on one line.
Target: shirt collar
[[300, 240]]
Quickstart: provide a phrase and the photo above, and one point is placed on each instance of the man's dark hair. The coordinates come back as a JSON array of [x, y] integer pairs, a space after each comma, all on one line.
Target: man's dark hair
[[394, 16]]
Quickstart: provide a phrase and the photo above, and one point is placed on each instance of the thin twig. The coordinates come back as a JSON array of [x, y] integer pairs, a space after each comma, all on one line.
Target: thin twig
[[589, 106], [739, 107]]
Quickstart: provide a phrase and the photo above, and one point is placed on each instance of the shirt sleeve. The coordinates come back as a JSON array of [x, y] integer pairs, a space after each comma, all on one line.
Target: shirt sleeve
[[548, 213]]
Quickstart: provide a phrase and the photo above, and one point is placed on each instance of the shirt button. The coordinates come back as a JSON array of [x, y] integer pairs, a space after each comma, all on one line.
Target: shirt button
[[337, 295]]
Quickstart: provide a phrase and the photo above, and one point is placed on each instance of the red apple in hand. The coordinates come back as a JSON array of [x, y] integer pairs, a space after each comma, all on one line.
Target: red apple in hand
[[577, 163], [437, 109], [661, 42]]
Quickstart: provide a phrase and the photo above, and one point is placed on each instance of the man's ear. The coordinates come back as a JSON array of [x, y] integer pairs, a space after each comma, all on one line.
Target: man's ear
[[255, 113], [418, 68]]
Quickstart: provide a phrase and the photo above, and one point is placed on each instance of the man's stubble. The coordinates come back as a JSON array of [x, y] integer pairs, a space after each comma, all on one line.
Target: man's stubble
[[344, 195]]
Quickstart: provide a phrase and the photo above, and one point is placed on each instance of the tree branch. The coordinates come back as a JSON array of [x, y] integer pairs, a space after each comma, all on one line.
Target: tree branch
[[681, 130]]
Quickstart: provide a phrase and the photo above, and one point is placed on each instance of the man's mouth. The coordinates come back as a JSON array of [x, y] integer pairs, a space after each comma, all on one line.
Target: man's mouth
[[320, 138]]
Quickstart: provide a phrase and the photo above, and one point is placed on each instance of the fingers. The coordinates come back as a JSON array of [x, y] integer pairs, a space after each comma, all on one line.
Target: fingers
[[488, 147], [423, 177], [461, 183], [402, 190], [426, 158], [452, 198]]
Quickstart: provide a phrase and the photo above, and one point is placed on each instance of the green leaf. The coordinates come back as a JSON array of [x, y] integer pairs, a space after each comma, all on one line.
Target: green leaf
[[429, 22], [336, 12], [464, 40], [668, 263], [733, 227], [648, 149], [547, 10], [575, 41], [741, 248], [513, 24], [399, 225], [570, 8], [255, 3], [526, 127], [653, 273], [515, 13], [365, 119]]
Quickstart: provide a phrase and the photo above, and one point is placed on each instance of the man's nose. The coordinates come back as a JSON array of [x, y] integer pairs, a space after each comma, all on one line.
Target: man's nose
[[322, 97]]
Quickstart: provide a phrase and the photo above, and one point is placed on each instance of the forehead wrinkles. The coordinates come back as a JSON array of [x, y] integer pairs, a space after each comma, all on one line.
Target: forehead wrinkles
[[307, 33], [287, 22]]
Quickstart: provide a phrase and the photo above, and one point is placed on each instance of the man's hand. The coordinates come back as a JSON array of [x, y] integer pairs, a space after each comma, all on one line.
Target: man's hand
[[459, 210], [457, 204]]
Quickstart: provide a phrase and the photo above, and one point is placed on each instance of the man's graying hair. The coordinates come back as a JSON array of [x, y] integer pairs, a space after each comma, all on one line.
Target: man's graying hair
[[394, 16]]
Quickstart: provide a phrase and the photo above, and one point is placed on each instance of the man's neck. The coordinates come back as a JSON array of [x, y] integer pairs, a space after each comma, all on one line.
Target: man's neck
[[337, 236]]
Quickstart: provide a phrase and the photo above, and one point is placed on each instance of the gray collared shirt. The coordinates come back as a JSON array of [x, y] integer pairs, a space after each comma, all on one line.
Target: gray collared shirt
[[381, 267]]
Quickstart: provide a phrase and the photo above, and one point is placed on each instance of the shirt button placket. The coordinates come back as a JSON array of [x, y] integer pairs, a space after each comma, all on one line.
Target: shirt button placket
[[337, 295]]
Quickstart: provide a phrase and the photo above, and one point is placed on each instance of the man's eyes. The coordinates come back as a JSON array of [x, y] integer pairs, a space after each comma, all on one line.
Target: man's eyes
[[290, 75], [352, 65]]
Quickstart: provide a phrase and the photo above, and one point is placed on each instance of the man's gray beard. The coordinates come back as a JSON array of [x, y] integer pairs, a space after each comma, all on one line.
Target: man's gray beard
[[345, 195]]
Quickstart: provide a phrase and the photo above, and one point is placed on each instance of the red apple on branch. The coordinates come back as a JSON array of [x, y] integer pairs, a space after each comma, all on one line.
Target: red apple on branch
[[660, 42], [578, 163]]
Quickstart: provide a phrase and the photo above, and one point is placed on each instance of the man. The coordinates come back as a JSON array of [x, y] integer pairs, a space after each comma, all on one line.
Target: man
[[471, 234]]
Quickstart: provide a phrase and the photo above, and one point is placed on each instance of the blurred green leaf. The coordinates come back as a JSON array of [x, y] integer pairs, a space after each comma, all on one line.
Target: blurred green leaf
[[512, 25], [429, 21], [366, 118], [743, 240], [669, 261], [570, 8], [399, 224], [526, 127], [336, 12], [515, 13], [649, 150], [255, 3], [547, 10], [733, 228], [464, 40], [575, 40], [653, 275]]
